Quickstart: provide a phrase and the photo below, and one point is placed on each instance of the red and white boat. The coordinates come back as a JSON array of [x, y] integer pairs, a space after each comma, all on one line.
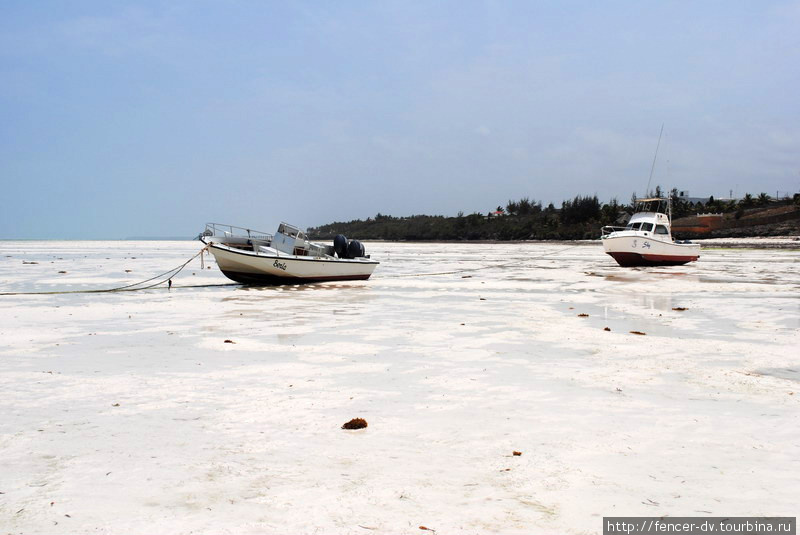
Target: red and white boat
[[647, 240], [255, 257]]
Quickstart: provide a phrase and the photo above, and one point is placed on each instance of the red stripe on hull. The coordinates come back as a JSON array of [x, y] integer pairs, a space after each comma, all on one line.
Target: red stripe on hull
[[271, 280], [636, 259]]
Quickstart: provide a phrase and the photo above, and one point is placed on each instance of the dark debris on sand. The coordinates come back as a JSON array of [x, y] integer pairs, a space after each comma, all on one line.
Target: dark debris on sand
[[355, 423]]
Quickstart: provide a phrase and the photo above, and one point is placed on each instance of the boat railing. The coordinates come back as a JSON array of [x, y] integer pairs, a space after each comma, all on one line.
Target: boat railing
[[224, 230], [609, 229]]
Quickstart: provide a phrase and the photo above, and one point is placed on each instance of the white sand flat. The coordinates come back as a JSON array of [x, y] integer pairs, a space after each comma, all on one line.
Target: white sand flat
[[128, 412]]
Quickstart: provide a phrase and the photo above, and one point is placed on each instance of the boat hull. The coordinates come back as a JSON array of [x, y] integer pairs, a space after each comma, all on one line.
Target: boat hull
[[265, 269], [644, 250], [635, 259]]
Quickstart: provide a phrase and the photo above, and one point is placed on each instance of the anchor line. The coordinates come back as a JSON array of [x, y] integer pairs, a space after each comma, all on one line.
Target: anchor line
[[165, 277]]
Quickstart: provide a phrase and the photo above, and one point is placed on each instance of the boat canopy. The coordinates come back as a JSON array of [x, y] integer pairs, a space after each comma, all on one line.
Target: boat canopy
[[655, 205]]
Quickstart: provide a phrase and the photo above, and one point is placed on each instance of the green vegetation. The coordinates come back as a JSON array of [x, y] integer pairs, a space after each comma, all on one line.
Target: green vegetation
[[525, 219]]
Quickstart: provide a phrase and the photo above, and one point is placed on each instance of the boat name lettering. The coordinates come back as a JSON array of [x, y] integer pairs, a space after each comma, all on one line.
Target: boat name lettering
[[634, 243], [646, 245], [279, 265]]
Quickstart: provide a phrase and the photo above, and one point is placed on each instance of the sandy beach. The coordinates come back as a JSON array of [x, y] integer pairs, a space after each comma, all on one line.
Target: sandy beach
[[217, 408]]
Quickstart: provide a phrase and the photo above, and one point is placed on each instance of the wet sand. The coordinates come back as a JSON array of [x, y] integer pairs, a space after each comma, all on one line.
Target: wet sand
[[129, 412]]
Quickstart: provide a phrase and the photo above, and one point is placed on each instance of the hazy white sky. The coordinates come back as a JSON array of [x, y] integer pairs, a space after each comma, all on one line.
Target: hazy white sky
[[149, 119]]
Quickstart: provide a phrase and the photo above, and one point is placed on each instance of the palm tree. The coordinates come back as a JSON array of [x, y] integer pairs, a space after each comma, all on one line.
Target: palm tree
[[524, 206], [763, 198]]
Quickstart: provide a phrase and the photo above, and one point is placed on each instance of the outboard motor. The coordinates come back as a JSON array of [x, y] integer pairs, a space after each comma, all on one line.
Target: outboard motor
[[355, 249], [340, 245]]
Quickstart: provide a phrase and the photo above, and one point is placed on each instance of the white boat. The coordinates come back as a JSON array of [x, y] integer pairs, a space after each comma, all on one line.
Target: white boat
[[647, 240], [255, 257]]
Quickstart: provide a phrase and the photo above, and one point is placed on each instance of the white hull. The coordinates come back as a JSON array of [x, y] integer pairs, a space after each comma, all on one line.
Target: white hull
[[250, 267], [632, 248]]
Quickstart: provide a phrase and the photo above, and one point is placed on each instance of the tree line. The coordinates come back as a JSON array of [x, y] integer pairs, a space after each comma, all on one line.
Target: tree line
[[578, 218]]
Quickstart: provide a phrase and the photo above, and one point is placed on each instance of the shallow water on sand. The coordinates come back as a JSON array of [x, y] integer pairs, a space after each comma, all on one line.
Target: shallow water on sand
[[130, 410]]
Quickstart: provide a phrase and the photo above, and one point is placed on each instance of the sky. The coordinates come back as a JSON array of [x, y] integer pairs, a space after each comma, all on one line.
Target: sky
[[121, 119]]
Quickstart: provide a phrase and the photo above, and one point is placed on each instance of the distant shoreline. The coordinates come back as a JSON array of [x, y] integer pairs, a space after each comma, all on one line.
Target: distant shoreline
[[755, 242], [99, 239], [773, 242]]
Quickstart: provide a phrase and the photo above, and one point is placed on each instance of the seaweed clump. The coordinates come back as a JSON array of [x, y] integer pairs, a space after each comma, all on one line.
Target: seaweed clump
[[355, 423]]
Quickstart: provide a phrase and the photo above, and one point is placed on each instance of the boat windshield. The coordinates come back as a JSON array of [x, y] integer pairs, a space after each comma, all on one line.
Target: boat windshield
[[647, 226], [633, 226], [289, 230], [661, 229]]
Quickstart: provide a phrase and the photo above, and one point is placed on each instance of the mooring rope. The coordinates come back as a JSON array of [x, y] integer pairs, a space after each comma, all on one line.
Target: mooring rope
[[167, 276]]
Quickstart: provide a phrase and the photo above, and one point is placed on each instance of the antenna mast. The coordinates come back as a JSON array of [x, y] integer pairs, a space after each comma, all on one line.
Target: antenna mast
[[652, 167]]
